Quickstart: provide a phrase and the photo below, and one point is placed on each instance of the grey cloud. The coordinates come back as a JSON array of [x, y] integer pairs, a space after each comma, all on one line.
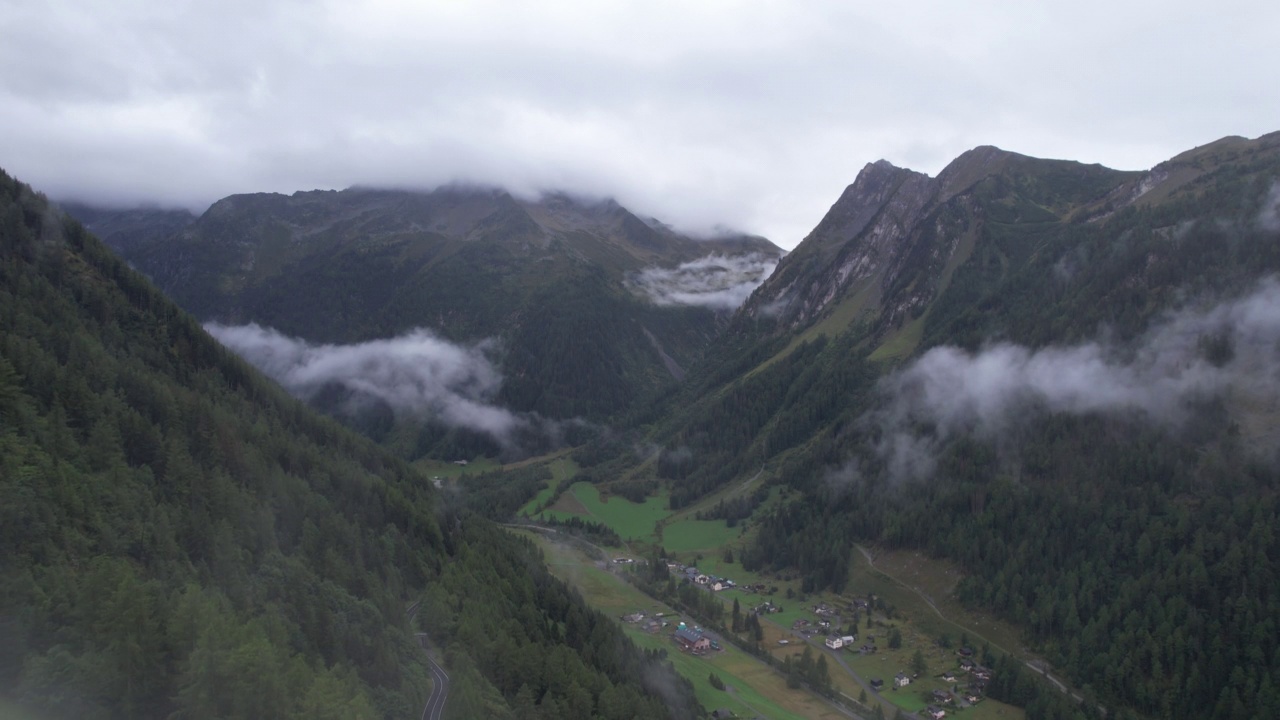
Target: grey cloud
[[739, 113], [715, 281], [1231, 349], [415, 373]]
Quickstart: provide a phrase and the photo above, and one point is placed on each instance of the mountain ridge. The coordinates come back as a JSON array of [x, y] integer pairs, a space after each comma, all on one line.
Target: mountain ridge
[[554, 279]]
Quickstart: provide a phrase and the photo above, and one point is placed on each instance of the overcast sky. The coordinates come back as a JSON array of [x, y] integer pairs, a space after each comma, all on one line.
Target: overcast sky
[[750, 114]]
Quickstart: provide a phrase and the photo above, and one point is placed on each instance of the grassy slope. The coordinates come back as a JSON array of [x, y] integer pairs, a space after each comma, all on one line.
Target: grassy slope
[[757, 688]]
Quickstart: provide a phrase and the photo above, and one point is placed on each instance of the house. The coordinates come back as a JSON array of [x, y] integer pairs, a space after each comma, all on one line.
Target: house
[[948, 677], [834, 642], [718, 585], [935, 712], [692, 639], [966, 664], [876, 683], [941, 697], [965, 652], [848, 640], [702, 579], [901, 680]]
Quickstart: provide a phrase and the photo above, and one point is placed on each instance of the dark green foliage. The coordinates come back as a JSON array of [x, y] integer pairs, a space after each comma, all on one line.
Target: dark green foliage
[[590, 530], [715, 681], [499, 494], [637, 491], [758, 417], [180, 539]]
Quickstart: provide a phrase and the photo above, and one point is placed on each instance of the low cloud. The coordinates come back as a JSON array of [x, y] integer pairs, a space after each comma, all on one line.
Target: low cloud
[[715, 281], [416, 373], [1193, 355]]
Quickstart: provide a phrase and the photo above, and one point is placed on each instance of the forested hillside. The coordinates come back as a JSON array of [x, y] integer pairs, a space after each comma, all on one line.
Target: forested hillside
[[180, 539], [557, 282], [1060, 377]]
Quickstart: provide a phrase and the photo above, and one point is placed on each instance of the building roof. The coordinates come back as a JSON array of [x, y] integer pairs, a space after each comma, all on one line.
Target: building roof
[[689, 634]]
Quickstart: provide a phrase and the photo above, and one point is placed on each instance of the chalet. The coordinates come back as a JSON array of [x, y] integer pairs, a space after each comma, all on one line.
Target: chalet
[[901, 680], [980, 672], [966, 664], [935, 712], [834, 642], [965, 652], [702, 579], [718, 585], [692, 639], [877, 684], [941, 697], [948, 677]]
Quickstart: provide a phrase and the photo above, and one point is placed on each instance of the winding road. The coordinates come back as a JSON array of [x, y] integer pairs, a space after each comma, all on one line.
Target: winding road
[[434, 709], [439, 686]]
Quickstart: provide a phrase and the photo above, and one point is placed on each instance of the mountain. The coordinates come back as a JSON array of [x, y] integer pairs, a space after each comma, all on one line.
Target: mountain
[[593, 306], [180, 539], [1059, 376], [125, 228]]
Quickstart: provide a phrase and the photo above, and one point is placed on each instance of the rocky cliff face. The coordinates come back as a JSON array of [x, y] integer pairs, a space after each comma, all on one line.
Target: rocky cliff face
[[889, 244]]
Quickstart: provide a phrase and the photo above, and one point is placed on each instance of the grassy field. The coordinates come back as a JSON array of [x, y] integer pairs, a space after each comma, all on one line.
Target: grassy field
[[698, 535], [906, 578], [756, 688], [629, 520]]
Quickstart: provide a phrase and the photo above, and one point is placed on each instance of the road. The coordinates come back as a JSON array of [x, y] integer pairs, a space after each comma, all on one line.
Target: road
[[439, 686], [539, 528], [434, 709]]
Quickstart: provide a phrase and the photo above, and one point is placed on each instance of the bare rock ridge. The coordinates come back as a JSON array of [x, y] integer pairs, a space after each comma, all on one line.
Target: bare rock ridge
[[891, 236]]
